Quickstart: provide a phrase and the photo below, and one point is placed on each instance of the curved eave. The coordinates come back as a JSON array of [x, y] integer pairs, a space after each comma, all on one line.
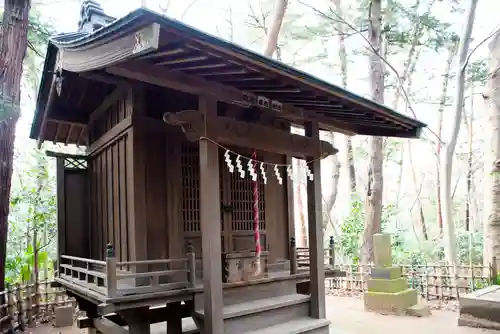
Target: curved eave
[[141, 17], [43, 91]]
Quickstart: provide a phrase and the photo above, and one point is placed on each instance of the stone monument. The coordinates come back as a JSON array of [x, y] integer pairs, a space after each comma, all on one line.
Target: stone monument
[[388, 291]]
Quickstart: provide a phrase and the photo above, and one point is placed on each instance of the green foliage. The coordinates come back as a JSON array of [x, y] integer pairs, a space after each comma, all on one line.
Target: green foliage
[[470, 246], [32, 213], [477, 71], [353, 225], [19, 268], [351, 230]]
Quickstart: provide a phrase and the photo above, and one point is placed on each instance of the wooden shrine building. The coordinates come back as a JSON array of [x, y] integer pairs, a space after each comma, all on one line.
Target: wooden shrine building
[[188, 144]]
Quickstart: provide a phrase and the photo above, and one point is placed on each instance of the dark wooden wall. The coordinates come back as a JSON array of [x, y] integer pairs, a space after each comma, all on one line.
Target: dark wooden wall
[[108, 185], [144, 187], [72, 207]]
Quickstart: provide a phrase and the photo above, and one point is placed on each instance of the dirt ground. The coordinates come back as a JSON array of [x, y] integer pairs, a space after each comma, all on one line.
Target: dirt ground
[[348, 317]]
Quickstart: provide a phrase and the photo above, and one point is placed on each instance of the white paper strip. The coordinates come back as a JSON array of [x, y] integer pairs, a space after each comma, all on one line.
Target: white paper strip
[[240, 167], [251, 170], [229, 163], [277, 173], [263, 173]]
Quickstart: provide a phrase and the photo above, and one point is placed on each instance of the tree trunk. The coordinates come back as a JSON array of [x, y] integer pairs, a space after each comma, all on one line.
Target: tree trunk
[[13, 43], [348, 151], [491, 183], [442, 104], [421, 217], [271, 41], [374, 191], [468, 122], [450, 144], [329, 201]]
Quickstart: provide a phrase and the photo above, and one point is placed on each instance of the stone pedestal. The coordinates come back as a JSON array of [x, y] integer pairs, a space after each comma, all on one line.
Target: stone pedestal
[[64, 316], [388, 291]]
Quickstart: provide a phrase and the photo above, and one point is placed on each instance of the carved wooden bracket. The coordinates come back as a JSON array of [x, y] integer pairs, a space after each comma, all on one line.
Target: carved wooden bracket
[[229, 131]]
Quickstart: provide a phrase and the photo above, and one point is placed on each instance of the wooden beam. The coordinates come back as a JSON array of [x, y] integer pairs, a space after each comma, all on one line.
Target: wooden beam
[[156, 315], [111, 99], [228, 131], [161, 76], [112, 51], [48, 106], [315, 220], [110, 136], [54, 154], [210, 218], [104, 325]]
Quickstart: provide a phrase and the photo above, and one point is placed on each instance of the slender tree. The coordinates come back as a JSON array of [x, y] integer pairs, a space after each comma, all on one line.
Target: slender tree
[[492, 156], [13, 45], [450, 144], [374, 191]]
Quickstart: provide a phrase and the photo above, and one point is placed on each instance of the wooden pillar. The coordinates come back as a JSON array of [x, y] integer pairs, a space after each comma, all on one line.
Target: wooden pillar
[[61, 209], [136, 179], [210, 218], [315, 219], [174, 320], [290, 203], [137, 320]]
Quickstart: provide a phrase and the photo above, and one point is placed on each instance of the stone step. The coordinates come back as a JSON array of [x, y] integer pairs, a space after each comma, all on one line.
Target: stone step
[[296, 326], [419, 310], [390, 303], [262, 313]]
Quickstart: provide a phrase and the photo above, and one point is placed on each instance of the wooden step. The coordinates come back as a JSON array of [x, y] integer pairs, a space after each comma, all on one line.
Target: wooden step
[[252, 291], [260, 305], [297, 326], [263, 313]]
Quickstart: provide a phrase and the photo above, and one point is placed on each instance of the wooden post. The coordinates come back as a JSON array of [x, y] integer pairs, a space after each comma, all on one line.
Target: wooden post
[[293, 256], [137, 320], [47, 295], [191, 265], [315, 219], [36, 301], [10, 309], [29, 306], [20, 311], [210, 218], [110, 271], [174, 318], [494, 273], [331, 252]]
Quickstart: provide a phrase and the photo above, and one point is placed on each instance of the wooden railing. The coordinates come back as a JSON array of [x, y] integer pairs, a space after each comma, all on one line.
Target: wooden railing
[[299, 256], [112, 279]]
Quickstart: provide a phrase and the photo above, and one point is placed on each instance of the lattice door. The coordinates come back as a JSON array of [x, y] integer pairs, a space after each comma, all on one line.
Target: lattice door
[[190, 171], [239, 197], [236, 203]]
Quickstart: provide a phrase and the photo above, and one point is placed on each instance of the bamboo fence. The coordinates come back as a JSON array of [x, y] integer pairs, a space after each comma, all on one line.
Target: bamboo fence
[[434, 282], [24, 306]]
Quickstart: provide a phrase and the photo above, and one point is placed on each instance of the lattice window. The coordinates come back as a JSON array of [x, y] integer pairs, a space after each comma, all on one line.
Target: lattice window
[[75, 163], [190, 165], [241, 194]]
